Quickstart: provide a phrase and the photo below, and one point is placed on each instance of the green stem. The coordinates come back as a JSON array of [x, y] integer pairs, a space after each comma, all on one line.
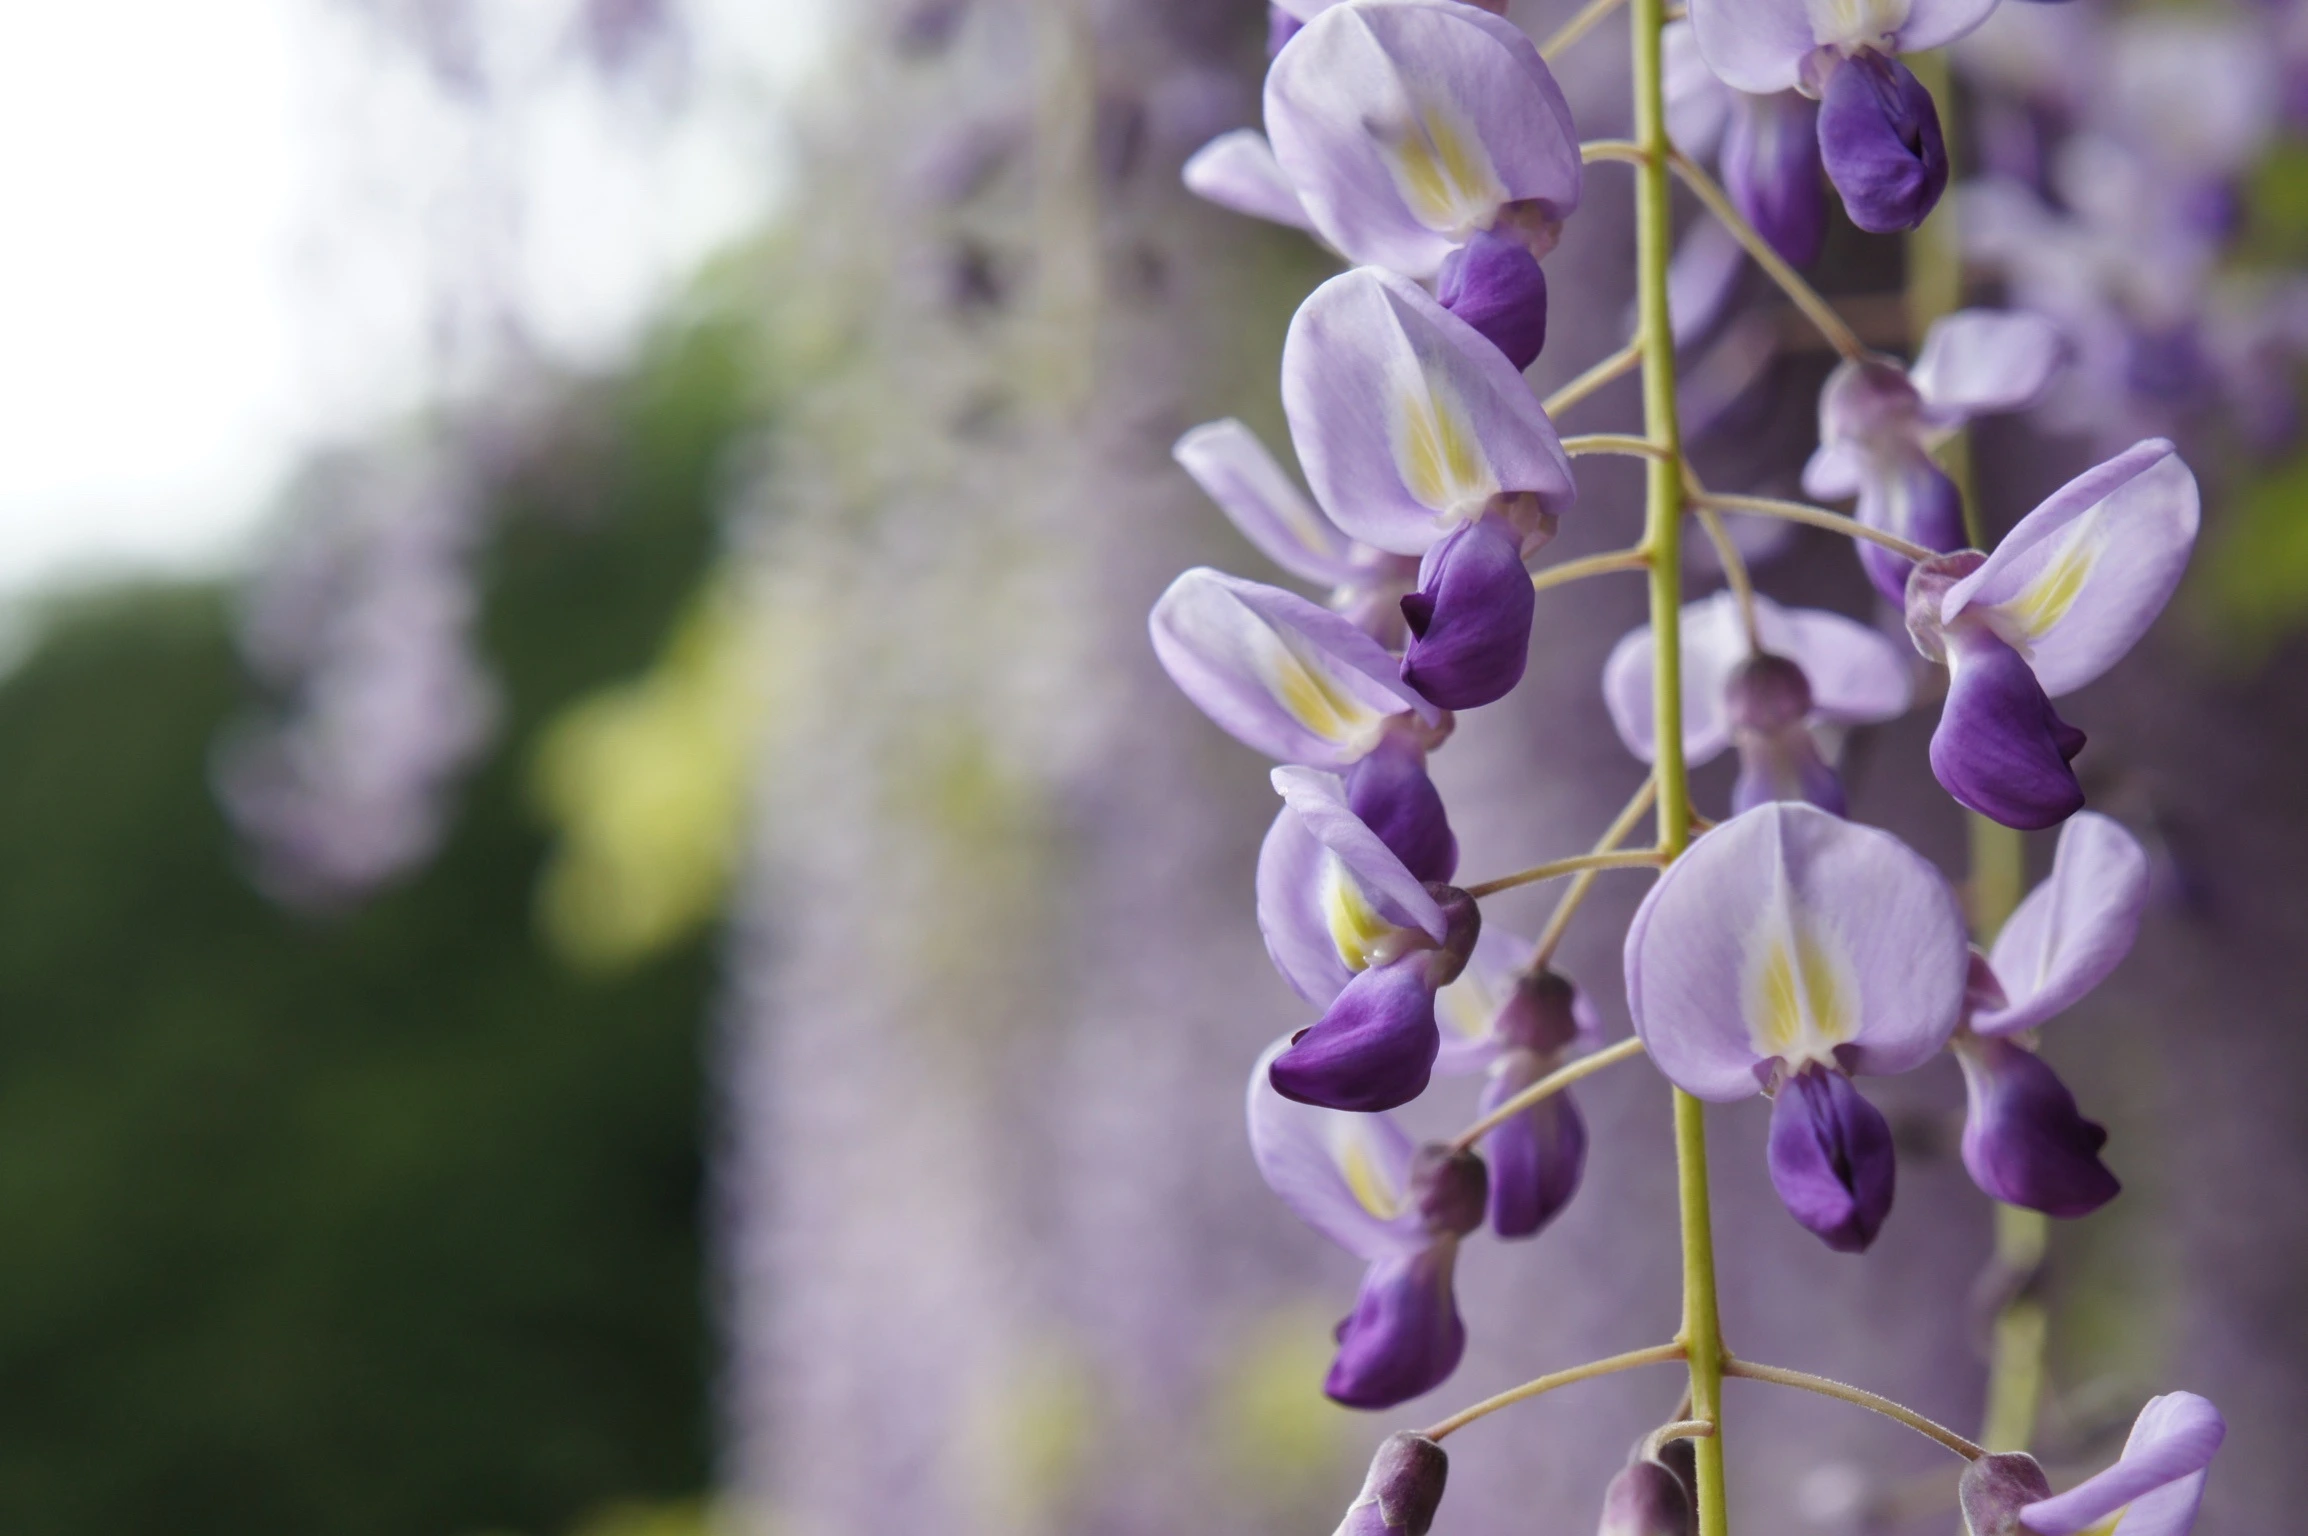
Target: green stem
[[1702, 1332]]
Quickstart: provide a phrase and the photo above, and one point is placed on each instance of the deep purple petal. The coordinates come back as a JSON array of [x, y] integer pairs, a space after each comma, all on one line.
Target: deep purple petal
[[1470, 620], [1537, 1157], [2073, 929], [1347, 1176], [1375, 1047], [1879, 139], [1495, 285], [1646, 1498], [1401, 1491], [1755, 46], [1831, 1158], [1771, 171], [1785, 766], [1383, 880], [2158, 1481], [2001, 749], [2023, 1139], [1390, 791], [1404, 1336]]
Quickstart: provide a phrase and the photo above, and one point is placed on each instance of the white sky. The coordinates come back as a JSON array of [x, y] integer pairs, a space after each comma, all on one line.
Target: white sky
[[223, 221]]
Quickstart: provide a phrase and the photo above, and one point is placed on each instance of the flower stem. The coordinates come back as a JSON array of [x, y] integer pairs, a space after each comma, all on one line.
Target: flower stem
[[1617, 366], [1702, 1332], [1860, 1395], [1577, 27], [1547, 1087], [1591, 565], [1734, 572], [1822, 314], [1817, 517], [1657, 1354], [1642, 858], [1623, 443], [1559, 921]]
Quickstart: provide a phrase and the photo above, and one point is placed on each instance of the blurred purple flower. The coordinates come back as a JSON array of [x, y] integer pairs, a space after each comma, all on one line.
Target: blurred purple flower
[[2157, 1483]]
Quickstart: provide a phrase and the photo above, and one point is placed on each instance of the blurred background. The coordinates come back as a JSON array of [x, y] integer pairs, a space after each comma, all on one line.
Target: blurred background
[[607, 927]]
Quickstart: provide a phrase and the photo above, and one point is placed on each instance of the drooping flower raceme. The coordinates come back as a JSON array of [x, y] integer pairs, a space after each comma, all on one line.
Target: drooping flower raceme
[[2060, 600], [1879, 134], [1358, 918], [1878, 424], [2024, 1141], [1785, 950], [1418, 437], [1516, 1026], [1258, 496], [2157, 1483], [1359, 1181], [1817, 671]]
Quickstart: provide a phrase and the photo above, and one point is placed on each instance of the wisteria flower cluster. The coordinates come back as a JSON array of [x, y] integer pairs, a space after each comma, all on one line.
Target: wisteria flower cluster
[[1785, 951]]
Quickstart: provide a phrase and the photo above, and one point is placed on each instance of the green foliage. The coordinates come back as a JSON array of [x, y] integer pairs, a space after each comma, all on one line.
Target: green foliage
[[2256, 580], [377, 1226]]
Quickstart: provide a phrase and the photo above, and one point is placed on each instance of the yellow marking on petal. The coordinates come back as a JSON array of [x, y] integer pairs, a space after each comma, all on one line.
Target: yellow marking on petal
[[1444, 174], [1355, 925], [1436, 448], [1801, 999], [2105, 1527], [2046, 600], [1359, 1164], [1315, 697], [1856, 21]]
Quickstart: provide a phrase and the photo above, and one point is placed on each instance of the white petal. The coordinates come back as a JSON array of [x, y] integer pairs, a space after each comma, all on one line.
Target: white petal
[[1238, 170], [2073, 929]]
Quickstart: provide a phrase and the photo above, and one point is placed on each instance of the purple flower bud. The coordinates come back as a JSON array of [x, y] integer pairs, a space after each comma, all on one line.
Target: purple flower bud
[[1831, 1158], [1401, 1491], [1996, 1488], [1769, 701], [1494, 284], [1404, 1336], [1767, 694], [1770, 164], [1450, 1189], [2001, 749], [1539, 1156], [1543, 1015], [1392, 794], [2023, 1140], [1645, 1499], [1879, 139], [1470, 620]]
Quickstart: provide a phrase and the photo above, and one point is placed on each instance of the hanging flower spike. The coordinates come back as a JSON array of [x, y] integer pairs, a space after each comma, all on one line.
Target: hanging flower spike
[[2157, 1483], [1411, 429], [1879, 134], [1281, 675], [1789, 948], [1238, 171], [1258, 496], [1344, 915], [1358, 1181], [1855, 677], [1410, 126], [1878, 425], [1402, 1489], [2024, 1141], [2060, 601]]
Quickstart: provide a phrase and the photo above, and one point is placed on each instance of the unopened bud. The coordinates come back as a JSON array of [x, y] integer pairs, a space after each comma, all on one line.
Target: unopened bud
[[1541, 1016], [1401, 1491], [1464, 924], [1927, 586], [1452, 1189], [1996, 1488], [1768, 694], [1645, 1499]]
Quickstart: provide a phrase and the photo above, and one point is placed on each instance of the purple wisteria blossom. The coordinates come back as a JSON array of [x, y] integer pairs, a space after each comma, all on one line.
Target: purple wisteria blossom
[[1353, 902], [1258, 496], [2059, 601], [1402, 1489], [1766, 147], [1787, 949], [1879, 134], [1418, 437], [2156, 1484], [1516, 1026], [1817, 673], [1359, 1181], [1878, 425], [2023, 1139], [1646, 1498]]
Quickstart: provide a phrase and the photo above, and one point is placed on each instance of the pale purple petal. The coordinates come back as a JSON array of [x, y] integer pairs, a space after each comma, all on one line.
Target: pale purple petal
[[1282, 675], [1238, 170], [2024, 1141], [1398, 895], [1859, 676], [1293, 867], [1837, 469], [1698, 104], [2081, 578], [1978, 361], [1757, 46], [1408, 126], [1404, 1336], [2073, 929], [1787, 934], [1831, 1158], [2001, 748], [1936, 23], [1714, 643], [2160, 1475], [1345, 1175], [1374, 1048], [1406, 420], [1257, 494], [1902, 491], [1469, 1007], [1771, 172]]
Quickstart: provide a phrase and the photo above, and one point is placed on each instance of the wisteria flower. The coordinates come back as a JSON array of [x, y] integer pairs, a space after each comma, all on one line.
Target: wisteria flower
[[1356, 929], [1879, 134], [1238, 170], [1766, 147], [1516, 1026], [1402, 1489], [2154, 1488], [1359, 1181], [1786, 950], [1878, 425], [2060, 601], [1420, 438], [2024, 1141], [1266, 506], [1817, 672]]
